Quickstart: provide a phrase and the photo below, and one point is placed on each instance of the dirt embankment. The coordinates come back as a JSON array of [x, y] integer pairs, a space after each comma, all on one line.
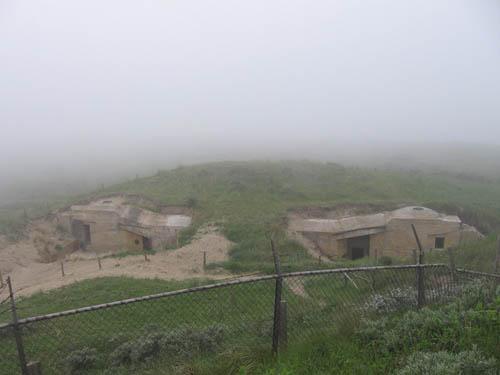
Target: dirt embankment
[[29, 274]]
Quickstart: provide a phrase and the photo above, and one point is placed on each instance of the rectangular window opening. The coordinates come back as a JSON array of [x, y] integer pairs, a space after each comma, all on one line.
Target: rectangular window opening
[[439, 243]]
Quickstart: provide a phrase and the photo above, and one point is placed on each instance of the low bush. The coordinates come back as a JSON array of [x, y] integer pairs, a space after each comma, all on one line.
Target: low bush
[[445, 363], [182, 342], [385, 260], [82, 359], [396, 300]]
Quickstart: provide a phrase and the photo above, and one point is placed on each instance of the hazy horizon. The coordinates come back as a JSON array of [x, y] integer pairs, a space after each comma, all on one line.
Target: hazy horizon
[[94, 91]]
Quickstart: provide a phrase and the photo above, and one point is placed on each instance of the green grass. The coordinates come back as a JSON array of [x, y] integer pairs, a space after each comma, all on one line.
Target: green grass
[[331, 305], [479, 255], [249, 201]]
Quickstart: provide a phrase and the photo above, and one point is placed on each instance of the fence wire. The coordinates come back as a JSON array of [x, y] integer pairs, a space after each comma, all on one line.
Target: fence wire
[[171, 329]]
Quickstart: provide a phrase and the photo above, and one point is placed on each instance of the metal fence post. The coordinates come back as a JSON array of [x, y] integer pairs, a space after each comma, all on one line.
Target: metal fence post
[[453, 267], [420, 271], [283, 325], [277, 300], [497, 259], [17, 332]]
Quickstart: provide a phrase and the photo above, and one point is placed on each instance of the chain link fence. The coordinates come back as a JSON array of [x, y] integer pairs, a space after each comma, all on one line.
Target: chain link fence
[[168, 330]]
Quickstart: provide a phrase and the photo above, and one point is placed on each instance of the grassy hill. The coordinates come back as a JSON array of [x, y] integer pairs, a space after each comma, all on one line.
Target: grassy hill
[[249, 200]]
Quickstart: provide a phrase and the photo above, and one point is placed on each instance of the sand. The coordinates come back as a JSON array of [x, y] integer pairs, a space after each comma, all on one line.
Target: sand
[[22, 263]]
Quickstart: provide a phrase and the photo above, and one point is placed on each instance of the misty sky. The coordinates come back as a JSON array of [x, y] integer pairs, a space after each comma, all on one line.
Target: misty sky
[[118, 81]]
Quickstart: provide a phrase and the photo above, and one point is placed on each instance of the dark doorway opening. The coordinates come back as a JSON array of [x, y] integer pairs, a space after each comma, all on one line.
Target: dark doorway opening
[[81, 232], [86, 234], [147, 243], [358, 247]]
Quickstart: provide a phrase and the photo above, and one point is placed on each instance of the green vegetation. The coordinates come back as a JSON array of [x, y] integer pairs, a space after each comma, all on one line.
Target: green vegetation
[[180, 334], [461, 337], [249, 201], [479, 255]]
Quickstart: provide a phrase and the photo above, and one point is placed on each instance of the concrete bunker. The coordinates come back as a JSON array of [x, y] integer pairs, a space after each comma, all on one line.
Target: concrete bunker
[[115, 224], [342, 234]]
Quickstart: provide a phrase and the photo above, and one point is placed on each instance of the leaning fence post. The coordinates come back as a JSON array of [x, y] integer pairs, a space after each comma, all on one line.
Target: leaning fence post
[[277, 300], [17, 332], [420, 271], [1, 280], [453, 267]]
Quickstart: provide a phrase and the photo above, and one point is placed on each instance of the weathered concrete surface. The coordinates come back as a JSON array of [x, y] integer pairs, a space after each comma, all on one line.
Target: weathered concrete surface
[[115, 225], [389, 232]]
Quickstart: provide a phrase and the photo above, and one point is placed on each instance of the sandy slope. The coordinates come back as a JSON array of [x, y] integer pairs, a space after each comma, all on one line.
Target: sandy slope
[[21, 263]]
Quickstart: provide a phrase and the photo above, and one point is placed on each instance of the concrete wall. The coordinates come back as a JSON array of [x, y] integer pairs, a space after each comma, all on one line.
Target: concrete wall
[[132, 241], [398, 239]]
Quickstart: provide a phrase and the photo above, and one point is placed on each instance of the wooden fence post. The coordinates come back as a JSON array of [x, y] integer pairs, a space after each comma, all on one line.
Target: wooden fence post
[[204, 259], [146, 256], [34, 368], [17, 332], [420, 271], [497, 259], [99, 262], [283, 341], [277, 300], [1, 280], [62, 268], [453, 267]]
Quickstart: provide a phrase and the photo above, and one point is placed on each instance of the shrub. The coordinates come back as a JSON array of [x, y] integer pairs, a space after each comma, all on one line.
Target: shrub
[[475, 292], [82, 359], [185, 342], [122, 354], [191, 202], [446, 363], [371, 330], [118, 340], [396, 300], [385, 260]]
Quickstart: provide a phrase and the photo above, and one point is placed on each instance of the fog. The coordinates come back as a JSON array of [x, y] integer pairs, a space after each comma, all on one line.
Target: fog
[[95, 91]]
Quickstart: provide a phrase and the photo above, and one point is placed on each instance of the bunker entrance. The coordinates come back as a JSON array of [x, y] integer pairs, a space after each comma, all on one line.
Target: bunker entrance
[[358, 247], [147, 243], [81, 231]]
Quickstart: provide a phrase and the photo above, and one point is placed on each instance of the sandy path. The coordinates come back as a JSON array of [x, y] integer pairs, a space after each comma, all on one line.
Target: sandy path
[[28, 275]]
